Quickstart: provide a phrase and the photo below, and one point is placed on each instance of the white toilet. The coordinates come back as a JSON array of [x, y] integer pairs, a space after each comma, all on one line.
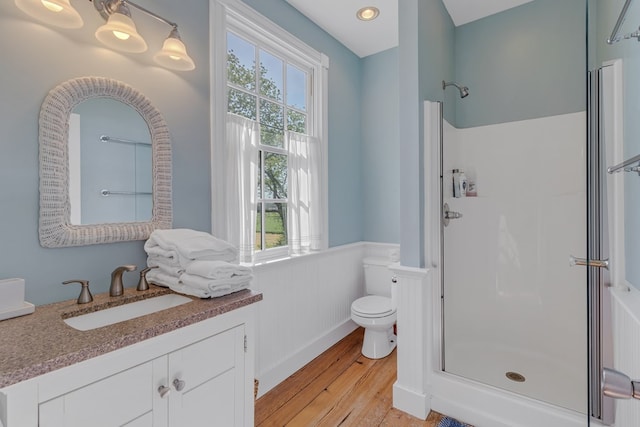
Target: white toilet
[[376, 312]]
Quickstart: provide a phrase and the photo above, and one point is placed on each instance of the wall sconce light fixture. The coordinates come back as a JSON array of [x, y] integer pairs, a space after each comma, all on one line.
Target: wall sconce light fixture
[[55, 12], [119, 32], [174, 53]]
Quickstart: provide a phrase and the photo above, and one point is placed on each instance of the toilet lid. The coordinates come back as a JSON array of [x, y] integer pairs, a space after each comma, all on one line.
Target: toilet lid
[[373, 305]]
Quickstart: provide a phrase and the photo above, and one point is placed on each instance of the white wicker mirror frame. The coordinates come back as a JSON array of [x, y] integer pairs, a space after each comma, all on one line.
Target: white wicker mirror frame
[[55, 228]]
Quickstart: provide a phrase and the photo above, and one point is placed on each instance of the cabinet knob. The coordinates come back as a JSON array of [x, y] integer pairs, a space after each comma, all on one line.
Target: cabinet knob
[[164, 391], [179, 384]]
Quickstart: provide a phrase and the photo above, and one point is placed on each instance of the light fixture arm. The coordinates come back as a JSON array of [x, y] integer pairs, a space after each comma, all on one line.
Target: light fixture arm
[[107, 7], [148, 12]]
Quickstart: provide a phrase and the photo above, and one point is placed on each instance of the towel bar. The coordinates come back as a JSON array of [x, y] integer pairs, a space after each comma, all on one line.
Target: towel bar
[[625, 165], [106, 193], [107, 138], [614, 37]]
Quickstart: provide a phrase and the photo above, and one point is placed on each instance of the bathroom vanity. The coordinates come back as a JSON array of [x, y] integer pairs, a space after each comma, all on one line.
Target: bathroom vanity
[[190, 365]]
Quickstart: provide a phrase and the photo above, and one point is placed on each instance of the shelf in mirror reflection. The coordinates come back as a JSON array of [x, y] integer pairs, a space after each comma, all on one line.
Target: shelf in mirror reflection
[[110, 177]]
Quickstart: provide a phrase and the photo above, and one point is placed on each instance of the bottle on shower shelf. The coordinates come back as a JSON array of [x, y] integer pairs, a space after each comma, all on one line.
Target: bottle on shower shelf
[[463, 183], [459, 183], [456, 180], [471, 189]]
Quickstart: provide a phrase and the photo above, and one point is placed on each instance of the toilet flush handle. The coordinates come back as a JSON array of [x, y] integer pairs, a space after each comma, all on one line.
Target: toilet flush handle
[[394, 279]]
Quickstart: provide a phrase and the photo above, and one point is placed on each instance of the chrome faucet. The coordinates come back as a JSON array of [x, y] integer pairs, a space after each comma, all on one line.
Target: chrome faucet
[[117, 288]]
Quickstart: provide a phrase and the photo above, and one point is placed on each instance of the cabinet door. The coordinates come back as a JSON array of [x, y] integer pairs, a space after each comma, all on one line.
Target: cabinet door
[[207, 381], [121, 399], [144, 421]]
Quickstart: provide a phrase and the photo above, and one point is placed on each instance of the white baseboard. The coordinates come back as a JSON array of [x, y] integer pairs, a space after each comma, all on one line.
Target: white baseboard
[[411, 402], [290, 365]]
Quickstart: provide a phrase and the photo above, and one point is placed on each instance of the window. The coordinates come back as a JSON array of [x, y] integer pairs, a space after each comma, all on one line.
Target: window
[[274, 94], [270, 79]]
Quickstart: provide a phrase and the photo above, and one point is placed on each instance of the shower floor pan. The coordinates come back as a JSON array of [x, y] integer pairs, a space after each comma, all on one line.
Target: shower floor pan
[[533, 375]]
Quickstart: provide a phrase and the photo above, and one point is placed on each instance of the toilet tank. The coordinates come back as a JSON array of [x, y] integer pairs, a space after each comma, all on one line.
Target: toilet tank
[[377, 276]]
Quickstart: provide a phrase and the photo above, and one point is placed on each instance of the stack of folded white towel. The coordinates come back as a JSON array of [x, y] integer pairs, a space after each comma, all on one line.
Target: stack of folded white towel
[[195, 263]]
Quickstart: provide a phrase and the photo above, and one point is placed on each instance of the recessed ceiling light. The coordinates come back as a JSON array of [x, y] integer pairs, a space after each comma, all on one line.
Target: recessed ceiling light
[[368, 13]]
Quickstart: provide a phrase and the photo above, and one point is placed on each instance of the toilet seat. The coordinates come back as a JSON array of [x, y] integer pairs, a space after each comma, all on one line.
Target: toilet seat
[[372, 306]]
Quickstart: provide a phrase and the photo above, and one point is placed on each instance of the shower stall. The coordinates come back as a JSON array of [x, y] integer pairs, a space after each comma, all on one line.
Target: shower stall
[[514, 308], [525, 308], [510, 296]]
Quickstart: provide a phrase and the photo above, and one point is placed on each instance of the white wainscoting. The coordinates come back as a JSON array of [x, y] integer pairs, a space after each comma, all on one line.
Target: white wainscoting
[[411, 389], [307, 307], [626, 349]]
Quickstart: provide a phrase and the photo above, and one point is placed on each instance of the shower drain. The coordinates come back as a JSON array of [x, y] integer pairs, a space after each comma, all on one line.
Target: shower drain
[[514, 376]]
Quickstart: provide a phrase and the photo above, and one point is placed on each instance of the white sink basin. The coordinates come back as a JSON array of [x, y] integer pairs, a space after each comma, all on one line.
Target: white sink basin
[[109, 316]]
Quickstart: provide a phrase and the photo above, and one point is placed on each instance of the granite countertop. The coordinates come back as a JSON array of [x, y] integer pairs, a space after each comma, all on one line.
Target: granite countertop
[[41, 342]]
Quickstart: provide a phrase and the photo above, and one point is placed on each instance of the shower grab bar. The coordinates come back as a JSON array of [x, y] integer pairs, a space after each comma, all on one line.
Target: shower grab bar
[[624, 165], [614, 38], [106, 193], [107, 138]]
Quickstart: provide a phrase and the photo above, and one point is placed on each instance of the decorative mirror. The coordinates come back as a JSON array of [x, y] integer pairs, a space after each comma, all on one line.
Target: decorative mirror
[[105, 165]]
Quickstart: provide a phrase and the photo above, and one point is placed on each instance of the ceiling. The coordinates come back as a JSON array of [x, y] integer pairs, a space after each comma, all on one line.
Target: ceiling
[[338, 18]]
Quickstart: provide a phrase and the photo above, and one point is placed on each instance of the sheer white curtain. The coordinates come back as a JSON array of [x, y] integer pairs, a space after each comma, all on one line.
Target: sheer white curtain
[[243, 136], [305, 194]]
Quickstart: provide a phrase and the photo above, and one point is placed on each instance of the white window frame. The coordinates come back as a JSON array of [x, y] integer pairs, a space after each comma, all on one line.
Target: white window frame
[[230, 15]]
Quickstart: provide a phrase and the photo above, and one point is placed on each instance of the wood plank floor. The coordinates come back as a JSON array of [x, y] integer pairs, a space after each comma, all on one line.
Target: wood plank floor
[[338, 388]]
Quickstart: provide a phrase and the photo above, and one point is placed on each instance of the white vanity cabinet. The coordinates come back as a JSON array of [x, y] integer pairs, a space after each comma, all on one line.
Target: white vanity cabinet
[[207, 382], [118, 400], [198, 375]]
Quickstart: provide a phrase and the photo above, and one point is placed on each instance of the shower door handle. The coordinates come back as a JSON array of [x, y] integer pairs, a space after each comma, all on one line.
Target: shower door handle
[[619, 386], [588, 262]]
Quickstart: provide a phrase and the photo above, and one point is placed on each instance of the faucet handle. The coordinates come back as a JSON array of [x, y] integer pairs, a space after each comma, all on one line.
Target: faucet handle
[[143, 285], [85, 293]]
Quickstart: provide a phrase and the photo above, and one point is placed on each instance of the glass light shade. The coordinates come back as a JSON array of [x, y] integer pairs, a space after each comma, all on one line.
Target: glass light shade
[[120, 33], [174, 55], [55, 12]]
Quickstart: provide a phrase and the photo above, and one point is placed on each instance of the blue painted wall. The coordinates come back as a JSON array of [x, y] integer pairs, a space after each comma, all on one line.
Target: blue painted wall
[[436, 56], [381, 147], [524, 63], [606, 14], [425, 57], [41, 57]]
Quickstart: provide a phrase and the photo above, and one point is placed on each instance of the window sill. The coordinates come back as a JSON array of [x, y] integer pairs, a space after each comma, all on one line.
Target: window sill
[[271, 260], [278, 258]]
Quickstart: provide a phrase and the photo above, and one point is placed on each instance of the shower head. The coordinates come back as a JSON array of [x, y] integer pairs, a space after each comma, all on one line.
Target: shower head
[[464, 91]]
